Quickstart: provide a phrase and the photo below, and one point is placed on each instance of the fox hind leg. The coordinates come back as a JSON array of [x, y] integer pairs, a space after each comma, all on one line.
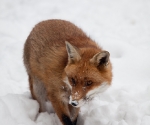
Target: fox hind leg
[[38, 92]]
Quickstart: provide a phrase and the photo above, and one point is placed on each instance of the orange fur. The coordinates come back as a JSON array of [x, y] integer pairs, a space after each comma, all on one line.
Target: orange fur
[[48, 63]]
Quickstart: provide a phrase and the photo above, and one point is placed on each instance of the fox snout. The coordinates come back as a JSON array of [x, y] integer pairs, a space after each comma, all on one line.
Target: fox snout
[[74, 103], [76, 99]]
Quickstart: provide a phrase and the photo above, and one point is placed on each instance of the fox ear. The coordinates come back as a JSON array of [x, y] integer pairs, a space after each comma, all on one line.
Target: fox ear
[[100, 59], [73, 53]]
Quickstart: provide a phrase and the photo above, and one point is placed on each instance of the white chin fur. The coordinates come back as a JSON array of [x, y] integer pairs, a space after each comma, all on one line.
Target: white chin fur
[[97, 90]]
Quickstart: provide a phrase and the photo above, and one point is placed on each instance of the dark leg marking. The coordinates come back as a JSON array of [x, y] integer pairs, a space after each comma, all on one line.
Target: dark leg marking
[[66, 120]]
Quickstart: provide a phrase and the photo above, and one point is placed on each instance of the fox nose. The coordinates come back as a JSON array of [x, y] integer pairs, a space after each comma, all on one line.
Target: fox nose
[[74, 103]]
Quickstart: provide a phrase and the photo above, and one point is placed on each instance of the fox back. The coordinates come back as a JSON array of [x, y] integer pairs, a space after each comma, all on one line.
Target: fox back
[[66, 67]]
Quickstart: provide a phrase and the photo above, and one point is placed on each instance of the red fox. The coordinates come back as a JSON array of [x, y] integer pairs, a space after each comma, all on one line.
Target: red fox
[[66, 67]]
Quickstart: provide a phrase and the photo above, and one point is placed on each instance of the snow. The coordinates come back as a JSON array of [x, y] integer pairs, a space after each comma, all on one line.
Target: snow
[[120, 26]]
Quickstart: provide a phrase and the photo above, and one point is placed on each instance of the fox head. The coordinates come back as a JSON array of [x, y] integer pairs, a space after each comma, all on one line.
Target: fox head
[[87, 73]]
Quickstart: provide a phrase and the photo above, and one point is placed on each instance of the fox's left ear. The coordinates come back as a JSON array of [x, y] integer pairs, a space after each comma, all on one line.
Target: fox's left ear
[[73, 53], [100, 59]]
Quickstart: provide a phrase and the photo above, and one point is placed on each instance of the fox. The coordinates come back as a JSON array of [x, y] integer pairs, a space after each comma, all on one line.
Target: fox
[[66, 67]]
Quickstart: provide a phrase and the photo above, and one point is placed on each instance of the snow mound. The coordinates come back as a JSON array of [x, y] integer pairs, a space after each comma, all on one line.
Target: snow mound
[[117, 107], [113, 107], [22, 110]]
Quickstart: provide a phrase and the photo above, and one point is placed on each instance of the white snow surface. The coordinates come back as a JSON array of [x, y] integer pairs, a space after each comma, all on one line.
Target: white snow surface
[[120, 26]]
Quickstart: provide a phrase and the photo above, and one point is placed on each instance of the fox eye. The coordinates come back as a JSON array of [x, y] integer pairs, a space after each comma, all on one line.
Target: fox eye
[[73, 81], [88, 83]]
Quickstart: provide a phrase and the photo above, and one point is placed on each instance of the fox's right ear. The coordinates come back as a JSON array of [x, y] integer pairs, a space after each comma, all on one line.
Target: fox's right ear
[[73, 53], [100, 59]]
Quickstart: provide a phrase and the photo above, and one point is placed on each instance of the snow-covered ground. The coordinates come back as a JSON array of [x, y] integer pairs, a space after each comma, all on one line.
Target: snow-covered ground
[[120, 26]]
